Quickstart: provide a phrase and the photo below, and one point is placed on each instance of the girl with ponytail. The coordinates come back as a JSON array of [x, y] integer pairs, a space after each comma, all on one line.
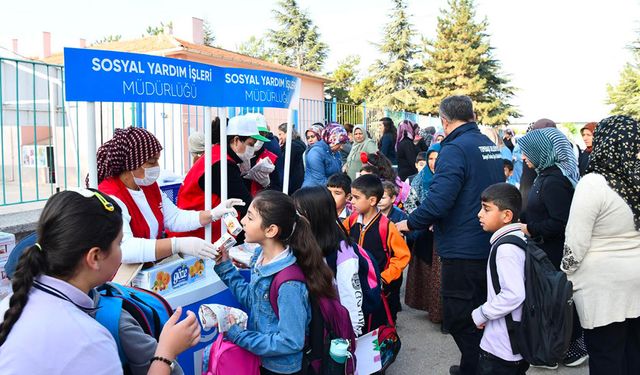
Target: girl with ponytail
[[48, 328], [285, 238]]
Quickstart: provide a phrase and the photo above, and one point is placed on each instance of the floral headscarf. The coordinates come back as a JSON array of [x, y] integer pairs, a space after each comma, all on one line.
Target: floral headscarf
[[548, 147], [406, 129], [616, 156], [317, 130], [334, 134]]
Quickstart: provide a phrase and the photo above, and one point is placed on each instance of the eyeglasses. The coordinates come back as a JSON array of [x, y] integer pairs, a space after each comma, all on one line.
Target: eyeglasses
[[90, 194]]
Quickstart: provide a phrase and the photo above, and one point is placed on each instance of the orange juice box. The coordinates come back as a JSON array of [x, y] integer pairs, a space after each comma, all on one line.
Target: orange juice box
[[171, 276]]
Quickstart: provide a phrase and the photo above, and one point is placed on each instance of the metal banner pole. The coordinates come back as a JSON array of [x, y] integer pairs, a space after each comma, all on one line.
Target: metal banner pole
[[207, 169], [91, 145]]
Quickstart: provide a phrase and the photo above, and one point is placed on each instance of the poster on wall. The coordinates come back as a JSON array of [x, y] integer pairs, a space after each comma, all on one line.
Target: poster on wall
[[30, 155]]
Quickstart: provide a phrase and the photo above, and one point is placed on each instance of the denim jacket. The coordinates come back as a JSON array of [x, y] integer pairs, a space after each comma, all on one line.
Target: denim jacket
[[279, 343], [321, 163]]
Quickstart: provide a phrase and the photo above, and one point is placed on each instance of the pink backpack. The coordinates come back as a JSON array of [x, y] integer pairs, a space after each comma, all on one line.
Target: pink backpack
[[227, 358]]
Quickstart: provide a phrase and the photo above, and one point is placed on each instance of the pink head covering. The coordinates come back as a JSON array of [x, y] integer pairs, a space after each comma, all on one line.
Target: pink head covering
[[405, 129]]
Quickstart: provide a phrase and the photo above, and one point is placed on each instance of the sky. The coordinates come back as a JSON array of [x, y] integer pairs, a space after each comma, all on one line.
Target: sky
[[559, 54]]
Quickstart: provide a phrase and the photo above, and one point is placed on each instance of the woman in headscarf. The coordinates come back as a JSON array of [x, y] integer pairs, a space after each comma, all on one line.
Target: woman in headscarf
[[437, 138], [314, 134], [128, 167], [323, 158], [361, 143], [423, 275], [602, 249], [549, 153], [587, 132], [406, 150]]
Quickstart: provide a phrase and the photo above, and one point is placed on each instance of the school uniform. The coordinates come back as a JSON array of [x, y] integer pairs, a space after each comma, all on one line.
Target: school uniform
[[55, 335], [496, 356], [393, 247]]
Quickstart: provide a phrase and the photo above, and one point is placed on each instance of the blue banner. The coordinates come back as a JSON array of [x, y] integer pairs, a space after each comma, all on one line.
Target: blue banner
[[108, 76]]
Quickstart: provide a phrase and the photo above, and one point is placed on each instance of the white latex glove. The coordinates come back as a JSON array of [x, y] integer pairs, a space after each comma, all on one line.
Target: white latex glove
[[264, 165], [226, 207], [193, 246], [262, 178], [244, 167]]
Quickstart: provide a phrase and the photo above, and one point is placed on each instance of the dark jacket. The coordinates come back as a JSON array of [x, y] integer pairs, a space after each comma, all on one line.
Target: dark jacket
[[406, 156], [467, 164], [583, 162], [547, 214], [296, 172], [274, 146], [388, 147]]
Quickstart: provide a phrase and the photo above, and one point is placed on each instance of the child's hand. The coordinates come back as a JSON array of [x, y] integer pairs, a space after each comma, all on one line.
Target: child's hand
[[177, 337], [223, 255], [481, 326]]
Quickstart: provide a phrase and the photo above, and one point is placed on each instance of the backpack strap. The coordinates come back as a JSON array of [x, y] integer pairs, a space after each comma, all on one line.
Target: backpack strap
[[383, 229], [290, 273], [352, 219], [108, 315], [493, 268]]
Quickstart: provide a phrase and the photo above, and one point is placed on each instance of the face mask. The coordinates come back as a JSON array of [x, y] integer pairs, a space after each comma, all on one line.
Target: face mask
[[258, 145], [248, 153], [150, 176]]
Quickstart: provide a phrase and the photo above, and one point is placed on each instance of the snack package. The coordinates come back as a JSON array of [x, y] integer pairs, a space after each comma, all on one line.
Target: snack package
[[232, 224], [243, 253], [214, 314], [225, 241]]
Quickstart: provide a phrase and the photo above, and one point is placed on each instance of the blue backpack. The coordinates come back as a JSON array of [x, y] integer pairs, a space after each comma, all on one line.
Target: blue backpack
[[149, 309]]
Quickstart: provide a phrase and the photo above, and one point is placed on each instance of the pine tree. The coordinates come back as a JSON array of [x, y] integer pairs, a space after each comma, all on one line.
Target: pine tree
[[297, 42], [460, 62], [209, 37], [626, 95], [392, 72], [343, 79]]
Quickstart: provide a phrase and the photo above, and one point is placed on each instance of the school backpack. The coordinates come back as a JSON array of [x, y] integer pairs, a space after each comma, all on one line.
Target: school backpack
[[227, 358], [149, 309], [329, 320], [544, 332], [368, 275], [383, 230]]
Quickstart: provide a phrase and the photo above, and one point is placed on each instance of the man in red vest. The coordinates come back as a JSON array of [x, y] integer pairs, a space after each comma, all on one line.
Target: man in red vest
[[242, 134]]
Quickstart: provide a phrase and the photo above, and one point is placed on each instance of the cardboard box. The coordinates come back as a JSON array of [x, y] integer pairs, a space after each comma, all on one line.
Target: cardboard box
[[168, 277], [7, 243]]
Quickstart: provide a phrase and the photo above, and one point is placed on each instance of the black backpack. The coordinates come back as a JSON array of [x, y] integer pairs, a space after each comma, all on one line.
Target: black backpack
[[543, 335]]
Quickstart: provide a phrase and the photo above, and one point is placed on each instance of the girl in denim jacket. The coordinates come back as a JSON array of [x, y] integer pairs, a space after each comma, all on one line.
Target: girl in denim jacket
[[285, 238]]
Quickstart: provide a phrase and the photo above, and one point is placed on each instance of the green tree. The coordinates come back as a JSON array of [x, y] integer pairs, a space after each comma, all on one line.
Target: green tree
[[297, 42], [460, 61], [392, 72], [256, 47], [625, 96], [107, 39], [362, 90], [209, 37], [158, 30], [343, 79]]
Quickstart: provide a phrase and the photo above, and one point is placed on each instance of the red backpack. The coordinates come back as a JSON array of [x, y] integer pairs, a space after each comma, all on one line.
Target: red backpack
[[329, 320]]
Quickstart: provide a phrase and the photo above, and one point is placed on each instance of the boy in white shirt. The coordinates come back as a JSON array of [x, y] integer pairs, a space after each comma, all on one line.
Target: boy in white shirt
[[499, 214]]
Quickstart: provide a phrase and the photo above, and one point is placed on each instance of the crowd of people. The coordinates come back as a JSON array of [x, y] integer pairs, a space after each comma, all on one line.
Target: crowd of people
[[438, 204]]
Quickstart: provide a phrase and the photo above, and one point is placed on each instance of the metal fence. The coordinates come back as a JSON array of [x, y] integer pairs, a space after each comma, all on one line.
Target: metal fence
[[43, 137]]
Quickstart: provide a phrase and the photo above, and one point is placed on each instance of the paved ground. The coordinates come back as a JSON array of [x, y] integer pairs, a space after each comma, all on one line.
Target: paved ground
[[427, 351]]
